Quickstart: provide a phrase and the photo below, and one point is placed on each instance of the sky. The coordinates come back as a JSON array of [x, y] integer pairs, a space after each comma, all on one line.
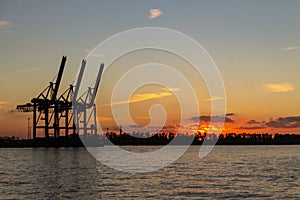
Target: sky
[[255, 45]]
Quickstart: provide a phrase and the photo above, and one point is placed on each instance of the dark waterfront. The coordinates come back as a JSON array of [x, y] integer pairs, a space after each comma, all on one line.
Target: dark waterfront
[[75, 140]]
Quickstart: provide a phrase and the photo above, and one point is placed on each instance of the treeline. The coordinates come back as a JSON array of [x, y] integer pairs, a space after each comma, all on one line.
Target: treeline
[[258, 139], [223, 139], [156, 139]]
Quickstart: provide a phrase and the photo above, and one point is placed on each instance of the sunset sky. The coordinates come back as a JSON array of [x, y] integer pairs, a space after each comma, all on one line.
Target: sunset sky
[[255, 44]]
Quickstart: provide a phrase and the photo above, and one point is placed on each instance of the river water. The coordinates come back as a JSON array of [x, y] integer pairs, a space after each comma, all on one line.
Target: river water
[[228, 172]]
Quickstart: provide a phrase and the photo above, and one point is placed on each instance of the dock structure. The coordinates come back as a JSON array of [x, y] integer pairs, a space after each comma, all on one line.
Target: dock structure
[[53, 114], [85, 107]]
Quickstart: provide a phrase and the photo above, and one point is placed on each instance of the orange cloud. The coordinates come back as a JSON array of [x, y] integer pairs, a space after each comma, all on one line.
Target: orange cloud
[[142, 97], [279, 87], [3, 103], [213, 98], [154, 13]]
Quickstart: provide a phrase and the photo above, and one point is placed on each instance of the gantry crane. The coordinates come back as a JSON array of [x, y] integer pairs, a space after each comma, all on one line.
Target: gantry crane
[[52, 113], [66, 103], [84, 107], [45, 106]]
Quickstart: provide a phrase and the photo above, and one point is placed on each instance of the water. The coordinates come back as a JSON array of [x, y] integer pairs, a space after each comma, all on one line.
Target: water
[[228, 172]]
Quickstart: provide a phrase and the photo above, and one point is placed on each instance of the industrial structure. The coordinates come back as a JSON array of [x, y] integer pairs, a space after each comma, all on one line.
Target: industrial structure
[[69, 113], [84, 107]]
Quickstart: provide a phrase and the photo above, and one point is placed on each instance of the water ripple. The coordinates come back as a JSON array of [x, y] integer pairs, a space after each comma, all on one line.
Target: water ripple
[[229, 172]]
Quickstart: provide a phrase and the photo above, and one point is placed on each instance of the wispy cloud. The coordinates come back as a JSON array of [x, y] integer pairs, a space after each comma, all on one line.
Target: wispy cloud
[[4, 24], [278, 87], [213, 98], [2, 103], [171, 89], [148, 96], [290, 48], [154, 13], [142, 97], [29, 70]]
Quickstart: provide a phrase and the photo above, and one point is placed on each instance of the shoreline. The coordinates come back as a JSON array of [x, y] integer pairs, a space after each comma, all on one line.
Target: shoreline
[[76, 142]]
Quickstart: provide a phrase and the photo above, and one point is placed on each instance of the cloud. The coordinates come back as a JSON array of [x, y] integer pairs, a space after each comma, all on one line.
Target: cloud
[[251, 127], [285, 122], [154, 13], [278, 87], [230, 114], [207, 118], [290, 48], [171, 89], [4, 24], [213, 98], [253, 121], [2, 103], [148, 96], [29, 70], [142, 97]]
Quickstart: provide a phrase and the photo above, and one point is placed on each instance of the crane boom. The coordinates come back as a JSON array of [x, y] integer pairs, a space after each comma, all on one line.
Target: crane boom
[[78, 82], [97, 83], [59, 76]]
